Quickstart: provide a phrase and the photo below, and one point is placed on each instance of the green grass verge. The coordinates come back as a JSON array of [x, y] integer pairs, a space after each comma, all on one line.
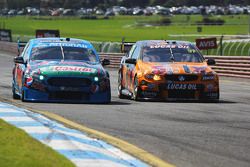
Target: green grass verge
[[17, 149], [117, 27], [133, 28]]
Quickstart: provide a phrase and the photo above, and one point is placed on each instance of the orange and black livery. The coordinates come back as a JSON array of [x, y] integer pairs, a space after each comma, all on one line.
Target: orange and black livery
[[167, 70]]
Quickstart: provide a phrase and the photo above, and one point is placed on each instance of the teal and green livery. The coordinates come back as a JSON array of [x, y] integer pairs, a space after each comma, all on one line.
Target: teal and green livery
[[68, 71], [60, 69]]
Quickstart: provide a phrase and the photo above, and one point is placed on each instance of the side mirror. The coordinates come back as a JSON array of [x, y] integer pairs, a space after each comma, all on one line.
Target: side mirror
[[131, 61], [211, 62], [105, 62], [19, 60]]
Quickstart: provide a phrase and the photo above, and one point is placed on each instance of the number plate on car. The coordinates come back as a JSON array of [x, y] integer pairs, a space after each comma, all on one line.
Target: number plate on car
[[62, 88]]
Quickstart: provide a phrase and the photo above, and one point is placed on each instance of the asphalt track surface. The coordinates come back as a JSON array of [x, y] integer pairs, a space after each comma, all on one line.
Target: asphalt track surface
[[186, 134]]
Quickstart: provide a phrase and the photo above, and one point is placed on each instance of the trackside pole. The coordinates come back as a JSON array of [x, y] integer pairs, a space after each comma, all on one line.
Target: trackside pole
[[221, 45]]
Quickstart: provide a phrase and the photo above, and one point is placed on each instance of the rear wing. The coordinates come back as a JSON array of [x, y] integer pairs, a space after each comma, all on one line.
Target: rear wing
[[20, 46], [126, 46]]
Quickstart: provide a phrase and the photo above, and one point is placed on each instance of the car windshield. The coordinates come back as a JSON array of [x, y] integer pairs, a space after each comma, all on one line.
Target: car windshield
[[63, 53], [171, 53]]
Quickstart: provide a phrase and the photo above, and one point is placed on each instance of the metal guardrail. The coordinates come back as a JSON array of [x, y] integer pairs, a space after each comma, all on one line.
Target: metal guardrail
[[231, 66]]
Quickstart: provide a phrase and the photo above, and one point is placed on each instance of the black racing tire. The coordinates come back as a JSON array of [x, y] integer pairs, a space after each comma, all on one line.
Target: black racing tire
[[120, 87], [218, 97], [23, 100], [14, 95], [136, 90]]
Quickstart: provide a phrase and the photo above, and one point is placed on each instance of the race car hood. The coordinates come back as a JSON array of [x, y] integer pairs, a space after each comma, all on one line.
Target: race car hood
[[175, 68], [66, 68]]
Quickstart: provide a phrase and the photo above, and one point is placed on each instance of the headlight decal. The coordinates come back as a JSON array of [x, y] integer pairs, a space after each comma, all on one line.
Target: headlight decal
[[96, 79], [41, 77], [157, 77]]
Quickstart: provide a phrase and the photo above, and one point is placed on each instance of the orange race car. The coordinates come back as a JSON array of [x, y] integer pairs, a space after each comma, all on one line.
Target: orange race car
[[167, 70]]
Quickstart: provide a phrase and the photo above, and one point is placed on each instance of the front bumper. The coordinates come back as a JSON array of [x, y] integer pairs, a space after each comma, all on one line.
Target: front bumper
[[76, 89], [66, 96], [181, 91], [92, 92]]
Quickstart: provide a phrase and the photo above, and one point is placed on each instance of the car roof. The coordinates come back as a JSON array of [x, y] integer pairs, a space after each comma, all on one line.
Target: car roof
[[170, 42], [38, 41]]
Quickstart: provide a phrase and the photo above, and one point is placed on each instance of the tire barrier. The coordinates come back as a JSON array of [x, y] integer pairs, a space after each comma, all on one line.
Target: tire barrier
[[231, 66], [8, 47]]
